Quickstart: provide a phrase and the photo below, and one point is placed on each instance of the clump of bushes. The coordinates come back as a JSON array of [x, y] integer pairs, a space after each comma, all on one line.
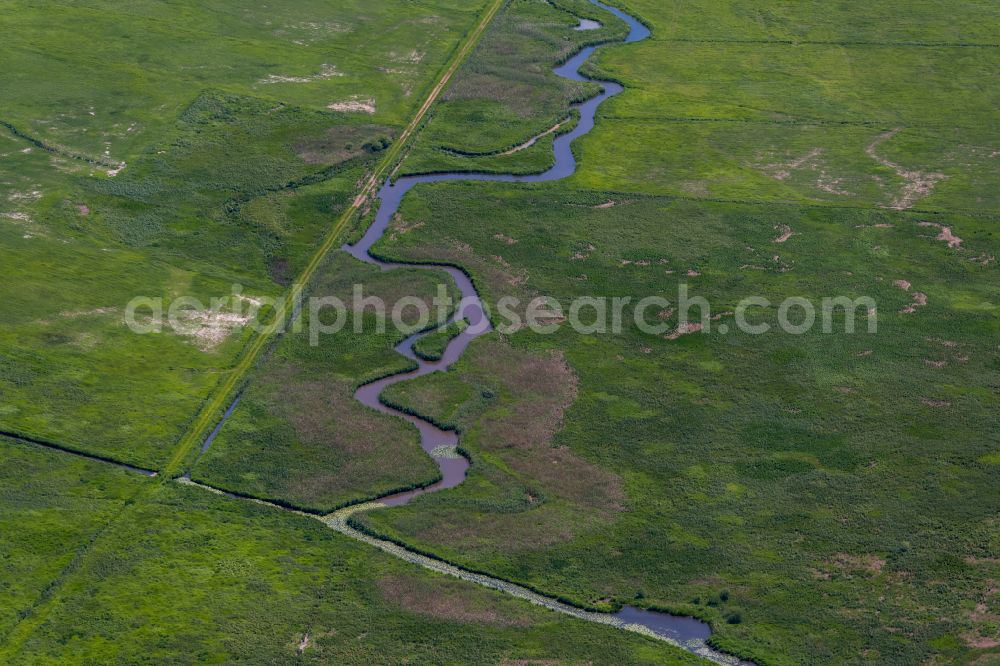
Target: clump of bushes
[[377, 145]]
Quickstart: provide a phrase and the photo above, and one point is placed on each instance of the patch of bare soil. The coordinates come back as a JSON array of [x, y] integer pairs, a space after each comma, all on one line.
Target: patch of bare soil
[[918, 184], [210, 328], [326, 71], [782, 170], [946, 235], [786, 233], [919, 301], [919, 298], [74, 314], [683, 329], [447, 600], [354, 104], [936, 404], [607, 204]]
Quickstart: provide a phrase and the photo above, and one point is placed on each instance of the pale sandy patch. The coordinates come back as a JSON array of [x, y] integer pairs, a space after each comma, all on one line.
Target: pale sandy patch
[[683, 329], [918, 184], [16, 217], [326, 71], [828, 183], [355, 104], [210, 328], [786, 233], [414, 57], [24, 197], [919, 301], [946, 235]]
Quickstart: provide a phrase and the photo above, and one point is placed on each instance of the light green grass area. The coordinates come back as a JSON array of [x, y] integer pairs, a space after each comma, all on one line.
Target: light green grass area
[[153, 153], [51, 506], [506, 93], [812, 477], [738, 102], [191, 577], [95, 75], [431, 347], [299, 435], [819, 498]]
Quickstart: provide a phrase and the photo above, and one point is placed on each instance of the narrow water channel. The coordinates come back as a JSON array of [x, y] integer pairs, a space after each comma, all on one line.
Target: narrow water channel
[[441, 444]]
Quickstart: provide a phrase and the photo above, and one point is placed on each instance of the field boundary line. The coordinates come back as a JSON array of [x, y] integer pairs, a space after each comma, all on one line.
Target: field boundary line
[[33, 618], [79, 453], [250, 355], [55, 149]]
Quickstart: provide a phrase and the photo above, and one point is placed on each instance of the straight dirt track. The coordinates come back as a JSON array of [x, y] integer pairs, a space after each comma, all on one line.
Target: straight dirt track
[[213, 407]]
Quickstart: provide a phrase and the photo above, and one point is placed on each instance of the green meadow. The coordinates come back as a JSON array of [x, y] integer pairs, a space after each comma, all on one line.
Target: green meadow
[[298, 435], [829, 497], [820, 498], [811, 478], [191, 577], [243, 132]]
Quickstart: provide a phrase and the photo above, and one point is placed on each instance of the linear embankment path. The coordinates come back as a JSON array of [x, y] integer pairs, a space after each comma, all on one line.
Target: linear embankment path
[[683, 632], [210, 412], [212, 409]]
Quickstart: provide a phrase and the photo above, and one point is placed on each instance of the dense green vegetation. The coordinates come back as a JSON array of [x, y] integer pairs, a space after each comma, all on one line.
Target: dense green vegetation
[[823, 498], [298, 435], [783, 103], [191, 577], [819, 498], [812, 476], [141, 157], [506, 93], [431, 347], [51, 505]]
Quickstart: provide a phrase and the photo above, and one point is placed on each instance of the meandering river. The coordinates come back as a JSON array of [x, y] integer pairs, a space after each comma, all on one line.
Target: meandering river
[[441, 444]]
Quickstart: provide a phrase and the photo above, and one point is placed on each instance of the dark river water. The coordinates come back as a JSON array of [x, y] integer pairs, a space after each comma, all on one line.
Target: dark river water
[[440, 444]]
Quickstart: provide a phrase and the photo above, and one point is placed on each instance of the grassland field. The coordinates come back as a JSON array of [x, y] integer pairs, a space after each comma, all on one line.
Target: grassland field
[[824, 499], [193, 577], [818, 498]]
